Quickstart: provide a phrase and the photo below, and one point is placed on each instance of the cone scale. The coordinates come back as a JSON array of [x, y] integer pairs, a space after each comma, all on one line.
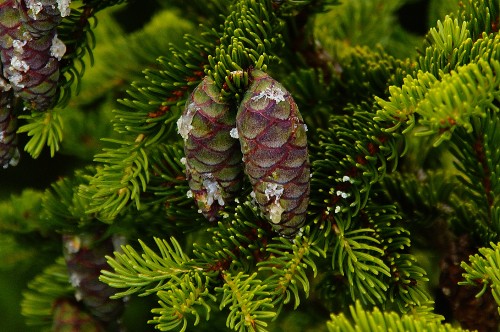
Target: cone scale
[[213, 158], [9, 153], [273, 141]]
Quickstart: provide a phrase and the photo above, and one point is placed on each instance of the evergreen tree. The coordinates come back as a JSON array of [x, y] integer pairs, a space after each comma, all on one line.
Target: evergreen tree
[[250, 165]]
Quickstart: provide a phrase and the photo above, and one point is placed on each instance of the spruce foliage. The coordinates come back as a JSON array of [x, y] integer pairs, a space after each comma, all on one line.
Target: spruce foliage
[[403, 138]]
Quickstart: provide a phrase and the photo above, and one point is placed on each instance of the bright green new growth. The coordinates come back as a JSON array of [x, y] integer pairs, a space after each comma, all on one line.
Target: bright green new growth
[[483, 271], [52, 285], [377, 321]]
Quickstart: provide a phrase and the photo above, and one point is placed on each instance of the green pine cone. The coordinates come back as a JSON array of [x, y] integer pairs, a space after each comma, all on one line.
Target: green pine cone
[[9, 154], [213, 159], [30, 62], [274, 145], [85, 258]]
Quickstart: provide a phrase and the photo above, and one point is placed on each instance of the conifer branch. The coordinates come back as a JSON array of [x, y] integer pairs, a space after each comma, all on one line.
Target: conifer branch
[[45, 128], [478, 163], [237, 242], [437, 102], [149, 272], [250, 33], [151, 117], [64, 208], [482, 16], [360, 152], [356, 255], [422, 197], [47, 288], [378, 321], [167, 181], [121, 180], [248, 301], [181, 302], [484, 271], [366, 110], [288, 266], [76, 32]]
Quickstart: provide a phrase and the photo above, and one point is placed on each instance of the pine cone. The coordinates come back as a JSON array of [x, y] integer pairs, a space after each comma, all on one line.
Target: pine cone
[[9, 154], [85, 258], [213, 159], [274, 145], [39, 17], [69, 317], [30, 62]]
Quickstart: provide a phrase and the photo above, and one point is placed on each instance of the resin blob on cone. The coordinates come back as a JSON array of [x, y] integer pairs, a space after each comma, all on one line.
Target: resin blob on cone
[[213, 158], [273, 140]]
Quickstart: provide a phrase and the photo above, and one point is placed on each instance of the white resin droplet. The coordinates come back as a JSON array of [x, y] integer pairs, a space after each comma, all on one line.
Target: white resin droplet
[[18, 65], [214, 191], [58, 48], [73, 245], [78, 295], [75, 279], [36, 7], [234, 133], [274, 191], [4, 85], [18, 46], [273, 93], [16, 80], [64, 8], [184, 123], [15, 158]]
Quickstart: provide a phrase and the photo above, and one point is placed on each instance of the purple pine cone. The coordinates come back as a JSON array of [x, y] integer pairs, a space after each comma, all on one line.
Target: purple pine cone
[[213, 159], [39, 17], [9, 154], [274, 145], [85, 258], [30, 51]]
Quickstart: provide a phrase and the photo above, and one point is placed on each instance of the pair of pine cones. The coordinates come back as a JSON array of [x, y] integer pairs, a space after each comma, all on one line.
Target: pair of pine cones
[[265, 138]]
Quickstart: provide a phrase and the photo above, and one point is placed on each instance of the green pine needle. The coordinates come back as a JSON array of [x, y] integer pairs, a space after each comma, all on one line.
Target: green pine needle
[[483, 271], [378, 321], [45, 129]]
